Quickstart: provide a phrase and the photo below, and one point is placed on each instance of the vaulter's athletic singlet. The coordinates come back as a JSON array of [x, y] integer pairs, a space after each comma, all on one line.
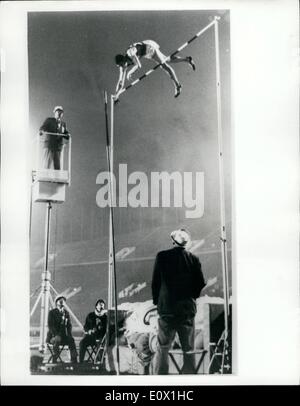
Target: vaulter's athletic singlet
[[145, 49]]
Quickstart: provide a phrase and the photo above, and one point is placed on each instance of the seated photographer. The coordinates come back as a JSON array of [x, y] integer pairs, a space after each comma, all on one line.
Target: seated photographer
[[141, 336], [94, 328]]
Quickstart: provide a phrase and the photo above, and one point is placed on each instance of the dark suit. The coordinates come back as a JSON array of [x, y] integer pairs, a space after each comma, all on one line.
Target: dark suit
[[177, 281], [60, 332], [98, 326], [53, 144]]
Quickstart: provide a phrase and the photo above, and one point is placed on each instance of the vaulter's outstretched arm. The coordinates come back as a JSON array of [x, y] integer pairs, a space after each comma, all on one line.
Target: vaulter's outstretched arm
[[121, 80], [137, 65]]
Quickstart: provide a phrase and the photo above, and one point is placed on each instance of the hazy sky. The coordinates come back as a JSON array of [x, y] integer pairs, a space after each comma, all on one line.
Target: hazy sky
[[71, 63]]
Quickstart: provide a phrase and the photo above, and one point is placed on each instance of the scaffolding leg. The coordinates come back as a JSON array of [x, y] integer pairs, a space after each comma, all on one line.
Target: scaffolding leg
[[221, 351], [35, 304]]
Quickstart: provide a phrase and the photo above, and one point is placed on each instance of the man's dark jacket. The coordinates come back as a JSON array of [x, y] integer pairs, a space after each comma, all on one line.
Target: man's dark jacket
[[54, 142], [96, 323], [59, 324], [177, 281]]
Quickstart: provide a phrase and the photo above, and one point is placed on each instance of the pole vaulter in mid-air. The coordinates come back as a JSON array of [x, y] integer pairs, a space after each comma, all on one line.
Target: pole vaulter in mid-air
[[150, 50], [147, 49]]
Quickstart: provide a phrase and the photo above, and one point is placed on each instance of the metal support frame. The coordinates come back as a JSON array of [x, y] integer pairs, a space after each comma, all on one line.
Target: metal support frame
[[46, 288]]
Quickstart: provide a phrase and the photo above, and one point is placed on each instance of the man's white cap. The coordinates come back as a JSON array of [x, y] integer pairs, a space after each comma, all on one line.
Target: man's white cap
[[60, 297], [58, 108], [181, 237]]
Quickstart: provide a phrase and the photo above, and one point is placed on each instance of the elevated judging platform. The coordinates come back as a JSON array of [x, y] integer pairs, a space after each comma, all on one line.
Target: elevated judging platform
[[51, 175], [45, 191], [49, 184]]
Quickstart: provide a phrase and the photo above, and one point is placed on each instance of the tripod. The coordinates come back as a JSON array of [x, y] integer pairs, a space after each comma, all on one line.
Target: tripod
[[46, 289]]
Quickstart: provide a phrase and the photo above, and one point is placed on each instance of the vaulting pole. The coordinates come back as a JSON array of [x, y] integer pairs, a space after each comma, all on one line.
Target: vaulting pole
[[112, 276], [221, 180]]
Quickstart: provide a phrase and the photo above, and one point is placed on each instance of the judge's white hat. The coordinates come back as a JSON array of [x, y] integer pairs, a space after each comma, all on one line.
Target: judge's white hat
[[60, 297], [58, 108], [181, 237]]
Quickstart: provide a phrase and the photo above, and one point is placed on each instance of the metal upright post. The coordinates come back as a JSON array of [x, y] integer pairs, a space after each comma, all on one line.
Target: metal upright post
[[222, 193], [112, 103], [111, 242], [112, 278], [70, 159], [46, 278], [221, 174]]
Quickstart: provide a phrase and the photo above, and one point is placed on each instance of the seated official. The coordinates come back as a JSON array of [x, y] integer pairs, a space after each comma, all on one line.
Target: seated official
[[94, 328], [60, 329]]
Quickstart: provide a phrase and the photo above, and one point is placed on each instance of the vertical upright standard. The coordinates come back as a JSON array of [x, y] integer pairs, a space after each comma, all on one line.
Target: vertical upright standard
[[112, 276], [222, 347]]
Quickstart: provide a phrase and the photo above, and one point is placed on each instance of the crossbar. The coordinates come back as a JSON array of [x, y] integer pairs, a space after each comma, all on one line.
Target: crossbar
[[135, 82]]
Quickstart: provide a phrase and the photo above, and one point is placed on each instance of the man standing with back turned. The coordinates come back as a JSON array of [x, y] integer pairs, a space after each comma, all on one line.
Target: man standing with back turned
[[177, 281]]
